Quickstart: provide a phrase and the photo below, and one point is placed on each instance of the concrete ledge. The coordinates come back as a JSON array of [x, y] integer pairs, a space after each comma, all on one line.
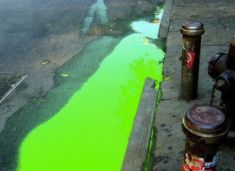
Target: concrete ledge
[[165, 22], [141, 133]]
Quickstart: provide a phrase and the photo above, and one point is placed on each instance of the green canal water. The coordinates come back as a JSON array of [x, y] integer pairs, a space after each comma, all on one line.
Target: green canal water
[[91, 131]]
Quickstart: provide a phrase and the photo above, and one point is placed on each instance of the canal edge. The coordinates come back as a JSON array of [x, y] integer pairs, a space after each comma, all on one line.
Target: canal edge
[[140, 138]]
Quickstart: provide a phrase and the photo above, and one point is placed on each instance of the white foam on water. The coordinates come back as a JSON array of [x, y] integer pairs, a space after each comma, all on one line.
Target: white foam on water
[[147, 28]]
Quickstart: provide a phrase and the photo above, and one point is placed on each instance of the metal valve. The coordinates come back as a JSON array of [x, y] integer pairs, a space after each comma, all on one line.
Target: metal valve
[[222, 69], [217, 65], [226, 81]]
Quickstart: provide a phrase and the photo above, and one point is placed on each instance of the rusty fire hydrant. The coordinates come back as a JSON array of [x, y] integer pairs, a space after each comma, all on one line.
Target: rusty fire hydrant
[[222, 68]]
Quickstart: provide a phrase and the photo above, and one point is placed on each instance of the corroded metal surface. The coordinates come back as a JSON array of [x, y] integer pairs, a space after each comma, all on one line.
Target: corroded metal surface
[[217, 64], [204, 127], [222, 68], [205, 121], [191, 47], [231, 55]]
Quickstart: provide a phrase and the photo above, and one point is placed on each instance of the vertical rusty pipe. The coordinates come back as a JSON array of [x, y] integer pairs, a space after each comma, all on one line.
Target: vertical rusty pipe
[[231, 56], [191, 45], [204, 127]]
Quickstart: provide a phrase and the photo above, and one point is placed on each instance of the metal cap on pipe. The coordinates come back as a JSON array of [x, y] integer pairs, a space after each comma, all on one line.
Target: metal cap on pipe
[[192, 28], [206, 121]]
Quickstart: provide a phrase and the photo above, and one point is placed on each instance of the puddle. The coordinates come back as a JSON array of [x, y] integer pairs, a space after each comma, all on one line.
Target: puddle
[[91, 131]]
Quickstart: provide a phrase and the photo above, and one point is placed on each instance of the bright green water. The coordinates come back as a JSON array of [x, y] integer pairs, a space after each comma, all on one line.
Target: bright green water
[[90, 133]]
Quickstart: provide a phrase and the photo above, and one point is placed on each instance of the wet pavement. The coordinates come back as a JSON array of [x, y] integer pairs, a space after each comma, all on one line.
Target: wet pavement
[[218, 18], [45, 39]]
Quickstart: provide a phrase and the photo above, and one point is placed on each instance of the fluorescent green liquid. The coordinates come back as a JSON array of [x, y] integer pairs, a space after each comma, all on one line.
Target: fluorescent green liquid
[[90, 133]]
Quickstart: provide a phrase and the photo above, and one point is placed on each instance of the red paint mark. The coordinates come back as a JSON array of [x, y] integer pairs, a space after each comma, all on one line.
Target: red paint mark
[[190, 59], [193, 163]]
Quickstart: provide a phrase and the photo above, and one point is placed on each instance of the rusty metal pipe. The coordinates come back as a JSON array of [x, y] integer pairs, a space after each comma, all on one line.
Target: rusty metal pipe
[[231, 56], [204, 127], [191, 47]]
